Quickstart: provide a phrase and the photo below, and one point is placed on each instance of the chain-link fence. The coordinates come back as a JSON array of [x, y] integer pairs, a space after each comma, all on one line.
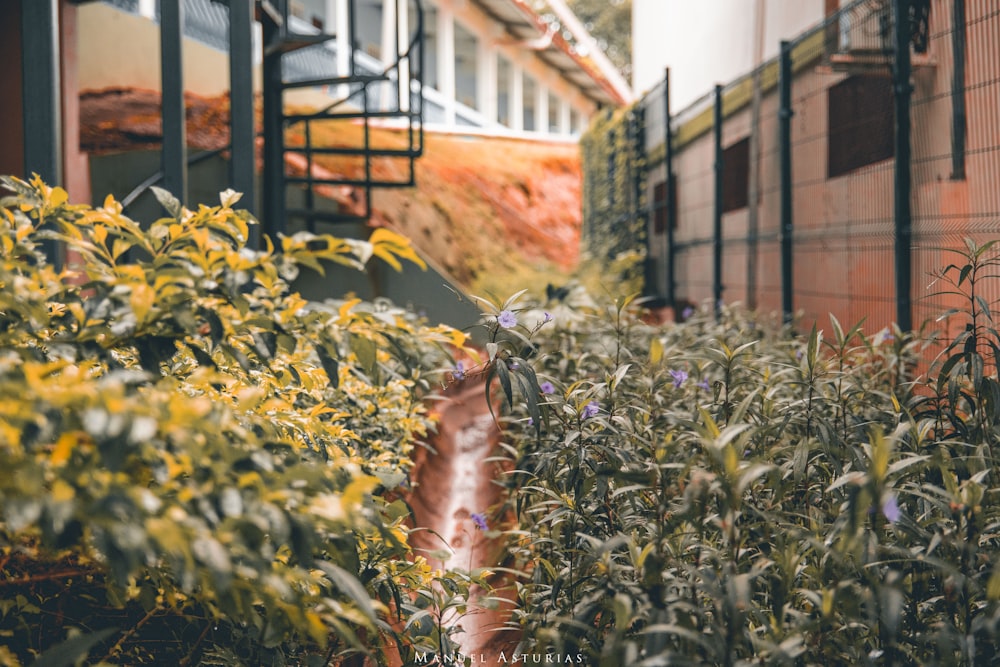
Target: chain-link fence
[[793, 201]]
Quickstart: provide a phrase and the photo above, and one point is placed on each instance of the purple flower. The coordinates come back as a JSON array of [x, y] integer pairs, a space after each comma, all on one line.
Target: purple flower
[[459, 371], [590, 410], [704, 384], [679, 378], [547, 388], [548, 318], [890, 508], [507, 319], [479, 519], [687, 313]]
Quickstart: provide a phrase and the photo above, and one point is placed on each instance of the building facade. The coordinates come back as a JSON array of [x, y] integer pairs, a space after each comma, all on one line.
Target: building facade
[[494, 66]]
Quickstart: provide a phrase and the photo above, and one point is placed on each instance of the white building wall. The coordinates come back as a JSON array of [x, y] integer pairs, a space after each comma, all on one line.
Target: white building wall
[[708, 42]]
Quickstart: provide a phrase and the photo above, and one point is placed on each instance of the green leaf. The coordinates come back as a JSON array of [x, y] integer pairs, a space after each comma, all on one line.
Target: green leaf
[[170, 203], [72, 650]]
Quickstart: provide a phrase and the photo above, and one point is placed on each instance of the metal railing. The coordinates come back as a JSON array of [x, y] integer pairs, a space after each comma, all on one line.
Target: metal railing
[[876, 161]]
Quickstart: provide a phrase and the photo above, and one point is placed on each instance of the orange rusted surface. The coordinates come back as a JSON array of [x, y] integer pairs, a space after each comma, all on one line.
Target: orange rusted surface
[[453, 480], [479, 202]]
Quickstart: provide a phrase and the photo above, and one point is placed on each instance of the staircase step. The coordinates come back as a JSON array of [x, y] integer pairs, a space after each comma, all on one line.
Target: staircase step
[[354, 150], [335, 80], [352, 182], [325, 216]]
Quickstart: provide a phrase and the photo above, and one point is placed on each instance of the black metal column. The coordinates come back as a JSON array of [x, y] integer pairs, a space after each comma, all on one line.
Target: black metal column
[[41, 90], [785, 175], [42, 99], [274, 166], [671, 211], [174, 157], [241, 107], [903, 220], [717, 212], [958, 118]]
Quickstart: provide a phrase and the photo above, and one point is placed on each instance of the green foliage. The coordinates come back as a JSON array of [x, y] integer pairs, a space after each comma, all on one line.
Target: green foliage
[[742, 495], [196, 464], [611, 25], [614, 222]]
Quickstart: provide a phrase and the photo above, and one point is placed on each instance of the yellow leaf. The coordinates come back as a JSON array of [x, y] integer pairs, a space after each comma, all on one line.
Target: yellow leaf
[[356, 491], [58, 197], [317, 629], [141, 300], [656, 352], [61, 491], [345, 311], [63, 449]]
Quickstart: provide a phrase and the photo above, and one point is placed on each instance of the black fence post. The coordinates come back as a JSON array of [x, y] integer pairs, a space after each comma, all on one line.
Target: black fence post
[[717, 213], [958, 118], [41, 99], [671, 211], [174, 156], [273, 176], [241, 107], [785, 173], [903, 220]]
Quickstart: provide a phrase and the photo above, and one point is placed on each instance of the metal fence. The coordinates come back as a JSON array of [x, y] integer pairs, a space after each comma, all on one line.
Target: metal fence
[[823, 183]]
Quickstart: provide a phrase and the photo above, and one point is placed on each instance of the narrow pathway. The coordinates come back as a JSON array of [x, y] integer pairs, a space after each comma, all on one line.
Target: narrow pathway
[[453, 483]]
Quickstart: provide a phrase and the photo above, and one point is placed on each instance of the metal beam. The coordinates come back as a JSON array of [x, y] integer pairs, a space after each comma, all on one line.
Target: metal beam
[[903, 218], [174, 157], [273, 195], [42, 100], [671, 212], [41, 96], [241, 104], [958, 116], [717, 212], [785, 173]]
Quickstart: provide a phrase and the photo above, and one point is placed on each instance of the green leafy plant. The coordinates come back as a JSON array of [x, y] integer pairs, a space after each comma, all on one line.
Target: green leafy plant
[[197, 464], [725, 491]]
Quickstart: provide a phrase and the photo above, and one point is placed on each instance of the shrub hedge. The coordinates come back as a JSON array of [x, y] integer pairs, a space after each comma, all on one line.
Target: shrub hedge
[[196, 465]]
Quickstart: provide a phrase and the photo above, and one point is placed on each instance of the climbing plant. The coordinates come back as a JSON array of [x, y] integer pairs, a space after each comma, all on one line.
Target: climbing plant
[[614, 219]]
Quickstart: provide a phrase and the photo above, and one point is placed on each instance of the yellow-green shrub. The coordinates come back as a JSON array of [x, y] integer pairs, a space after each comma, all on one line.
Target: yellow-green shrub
[[192, 457]]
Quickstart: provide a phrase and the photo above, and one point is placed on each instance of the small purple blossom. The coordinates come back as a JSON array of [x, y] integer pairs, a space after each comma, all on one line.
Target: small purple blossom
[[590, 410], [548, 318], [547, 388], [679, 378], [459, 371], [479, 519], [507, 319], [704, 384], [687, 313], [890, 508]]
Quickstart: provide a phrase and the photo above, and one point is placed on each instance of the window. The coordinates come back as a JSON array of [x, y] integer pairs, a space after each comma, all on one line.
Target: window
[[861, 119], [662, 207], [735, 175], [504, 74], [529, 102]]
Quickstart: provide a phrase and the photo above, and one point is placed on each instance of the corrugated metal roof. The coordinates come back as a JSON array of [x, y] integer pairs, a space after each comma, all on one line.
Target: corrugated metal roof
[[524, 24]]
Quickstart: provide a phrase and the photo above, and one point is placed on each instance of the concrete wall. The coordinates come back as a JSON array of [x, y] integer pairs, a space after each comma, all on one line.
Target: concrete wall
[[844, 225], [118, 49], [705, 43]]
